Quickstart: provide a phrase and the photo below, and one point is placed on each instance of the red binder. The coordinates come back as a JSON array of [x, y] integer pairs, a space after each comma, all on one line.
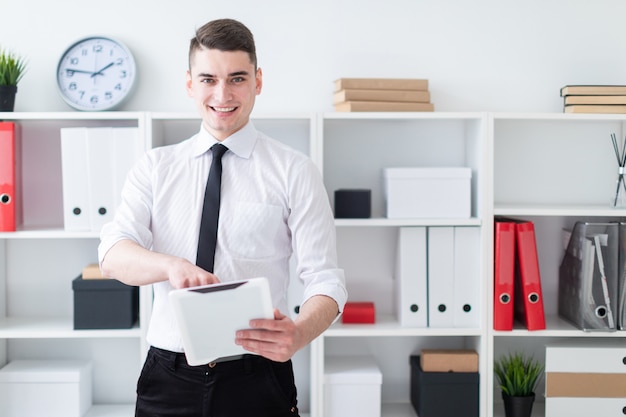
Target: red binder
[[529, 299], [504, 275], [10, 210]]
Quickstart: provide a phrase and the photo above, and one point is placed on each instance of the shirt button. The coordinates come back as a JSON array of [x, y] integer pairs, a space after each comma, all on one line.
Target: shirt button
[[212, 365], [293, 409]]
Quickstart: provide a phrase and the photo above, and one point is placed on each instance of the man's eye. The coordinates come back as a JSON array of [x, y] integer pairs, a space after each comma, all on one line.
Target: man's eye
[[207, 81], [238, 79]]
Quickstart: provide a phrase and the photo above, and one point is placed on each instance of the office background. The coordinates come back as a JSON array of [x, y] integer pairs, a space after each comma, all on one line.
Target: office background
[[479, 55]]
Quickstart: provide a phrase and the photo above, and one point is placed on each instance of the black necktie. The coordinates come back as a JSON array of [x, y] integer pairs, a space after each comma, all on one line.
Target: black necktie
[[210, 211]]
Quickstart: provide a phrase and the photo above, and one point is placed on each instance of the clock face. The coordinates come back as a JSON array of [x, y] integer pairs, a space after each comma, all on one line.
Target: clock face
[[96, 73]]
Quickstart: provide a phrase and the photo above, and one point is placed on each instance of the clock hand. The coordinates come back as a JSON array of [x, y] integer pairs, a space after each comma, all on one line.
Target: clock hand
[[102, 69], [69, 70]]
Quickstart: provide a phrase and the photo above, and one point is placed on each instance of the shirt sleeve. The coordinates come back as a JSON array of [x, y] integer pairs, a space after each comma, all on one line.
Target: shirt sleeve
[[132, 217], [313, 235]]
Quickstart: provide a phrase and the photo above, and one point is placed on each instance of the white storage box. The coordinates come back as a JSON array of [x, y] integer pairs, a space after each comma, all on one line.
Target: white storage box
[[428, 192], [51, 388], [352, 387]]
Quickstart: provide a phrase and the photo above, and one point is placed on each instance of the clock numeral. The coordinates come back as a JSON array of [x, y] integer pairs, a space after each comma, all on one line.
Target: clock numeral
[[81, 94], [97, 48], [123, 74], [84, 52], [108, 95], [118, 86], [94, 99], [119, 61], [72, 87], [74, 61], [69, 72]]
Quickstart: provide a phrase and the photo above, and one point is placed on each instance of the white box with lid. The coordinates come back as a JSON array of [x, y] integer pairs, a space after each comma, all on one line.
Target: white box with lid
[[428, 192], [54, 388], [352, 387]]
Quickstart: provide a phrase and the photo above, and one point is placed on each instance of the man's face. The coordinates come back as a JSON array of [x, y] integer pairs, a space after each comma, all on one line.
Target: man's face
[[224, 86]]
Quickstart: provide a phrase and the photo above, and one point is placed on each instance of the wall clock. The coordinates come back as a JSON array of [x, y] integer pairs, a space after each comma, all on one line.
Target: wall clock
[[96, 73]]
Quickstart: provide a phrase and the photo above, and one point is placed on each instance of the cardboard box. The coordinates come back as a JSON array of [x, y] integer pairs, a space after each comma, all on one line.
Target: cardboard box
[[428, 192], [104, 304], [582, 369], [443, 394], [449, 360], [54, 388], [352, 387]]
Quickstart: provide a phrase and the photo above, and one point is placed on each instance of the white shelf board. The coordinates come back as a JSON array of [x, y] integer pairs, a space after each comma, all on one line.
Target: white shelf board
[[387, 325], [403, 115], [43, 327], [47, 232], [557, 327], [385, 222], [559, 210], [110, 410], [49, 116]]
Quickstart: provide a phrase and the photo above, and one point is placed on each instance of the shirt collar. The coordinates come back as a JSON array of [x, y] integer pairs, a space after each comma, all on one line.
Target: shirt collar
[[241, 143]]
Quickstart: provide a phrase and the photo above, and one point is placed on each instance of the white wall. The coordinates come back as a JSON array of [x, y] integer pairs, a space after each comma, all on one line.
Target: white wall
[[491, 55]]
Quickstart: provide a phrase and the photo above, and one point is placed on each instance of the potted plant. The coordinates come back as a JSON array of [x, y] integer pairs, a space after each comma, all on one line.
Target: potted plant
[[518, 375], [12, 69]]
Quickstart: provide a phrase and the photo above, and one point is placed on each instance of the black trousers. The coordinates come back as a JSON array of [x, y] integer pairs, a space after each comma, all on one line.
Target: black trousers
[[248, 387]]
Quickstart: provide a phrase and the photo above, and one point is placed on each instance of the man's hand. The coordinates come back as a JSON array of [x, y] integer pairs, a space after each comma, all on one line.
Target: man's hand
[[278, 339], [184, 274]]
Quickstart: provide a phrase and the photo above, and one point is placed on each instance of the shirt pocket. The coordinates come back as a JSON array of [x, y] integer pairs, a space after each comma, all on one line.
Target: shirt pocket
[[254, 231]]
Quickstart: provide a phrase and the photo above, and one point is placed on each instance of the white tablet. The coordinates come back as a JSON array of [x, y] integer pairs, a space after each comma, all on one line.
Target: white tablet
[[208, 316]]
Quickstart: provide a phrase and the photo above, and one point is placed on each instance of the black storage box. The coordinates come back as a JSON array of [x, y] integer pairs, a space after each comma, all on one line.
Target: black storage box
[[104, 304], [353, 204], [443, 394]]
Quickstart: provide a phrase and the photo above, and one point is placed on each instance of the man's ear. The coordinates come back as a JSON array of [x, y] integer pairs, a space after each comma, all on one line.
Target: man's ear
[[259, 81], [188, 84]]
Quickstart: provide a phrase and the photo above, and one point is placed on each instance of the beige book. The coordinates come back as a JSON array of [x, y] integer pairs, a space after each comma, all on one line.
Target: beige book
[[590, 108], [413, 96], [349, 106], [381, 84], [593, 90], [569, 100]]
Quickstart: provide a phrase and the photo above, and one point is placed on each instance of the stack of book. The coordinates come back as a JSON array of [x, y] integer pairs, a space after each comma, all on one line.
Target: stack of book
[[381, 94], [594, 98]]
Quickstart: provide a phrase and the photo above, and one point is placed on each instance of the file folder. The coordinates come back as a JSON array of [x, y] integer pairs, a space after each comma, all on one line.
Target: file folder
[[209, 316], [440, 276], [10, 176], [466, 277], [74, 168], [411, 277], [101, 174], [528, 300], [588, 277], [504, 275], [621, 278]]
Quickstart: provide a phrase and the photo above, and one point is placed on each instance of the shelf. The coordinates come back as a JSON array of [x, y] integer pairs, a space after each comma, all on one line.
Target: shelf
[[556, 327], [387, 325], [33, 232], [385, 222], [558, 210], [122, 410], [58, 328]]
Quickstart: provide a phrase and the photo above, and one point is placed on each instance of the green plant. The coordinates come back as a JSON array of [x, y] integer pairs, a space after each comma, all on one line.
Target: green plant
[[518, 374], [12, 67]]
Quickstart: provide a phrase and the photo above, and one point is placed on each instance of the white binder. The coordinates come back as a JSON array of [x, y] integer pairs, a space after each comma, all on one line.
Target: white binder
[[440, 276], [411, 291], [101, 174], [210, 315], [467, 286], [74, 179]]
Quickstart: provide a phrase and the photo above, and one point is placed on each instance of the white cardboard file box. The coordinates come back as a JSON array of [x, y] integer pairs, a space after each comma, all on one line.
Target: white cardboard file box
[[352, 387], [428, 192], [54, 388]]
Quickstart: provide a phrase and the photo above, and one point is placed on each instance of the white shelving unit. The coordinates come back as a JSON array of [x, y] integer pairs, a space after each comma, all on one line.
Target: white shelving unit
[[553, 169]]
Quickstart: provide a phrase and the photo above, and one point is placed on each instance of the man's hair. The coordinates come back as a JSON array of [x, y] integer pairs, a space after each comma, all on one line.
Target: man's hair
[[224, 35]]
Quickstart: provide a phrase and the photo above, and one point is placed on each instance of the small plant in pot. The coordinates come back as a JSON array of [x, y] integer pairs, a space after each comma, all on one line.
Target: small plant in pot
[[518, 375], [12, 69]]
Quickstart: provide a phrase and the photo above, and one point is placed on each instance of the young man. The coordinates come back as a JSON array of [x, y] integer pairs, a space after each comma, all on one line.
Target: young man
[[273, 204]]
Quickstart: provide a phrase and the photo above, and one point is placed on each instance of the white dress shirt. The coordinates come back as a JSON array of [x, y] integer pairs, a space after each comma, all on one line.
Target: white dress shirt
[[273, 204]]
